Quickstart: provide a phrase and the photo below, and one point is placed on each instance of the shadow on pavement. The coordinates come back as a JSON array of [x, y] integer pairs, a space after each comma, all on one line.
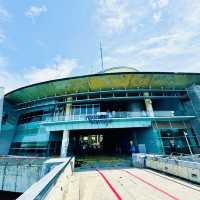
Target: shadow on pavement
[[91, 163]]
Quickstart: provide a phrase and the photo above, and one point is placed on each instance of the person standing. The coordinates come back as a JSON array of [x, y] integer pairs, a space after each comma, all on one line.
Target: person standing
[[132, 148]]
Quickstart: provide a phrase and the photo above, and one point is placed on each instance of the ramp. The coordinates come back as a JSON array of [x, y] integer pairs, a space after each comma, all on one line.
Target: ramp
[[117, 182]]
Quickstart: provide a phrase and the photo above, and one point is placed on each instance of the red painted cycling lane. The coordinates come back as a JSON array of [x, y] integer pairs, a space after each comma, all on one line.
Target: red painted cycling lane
[[178, 188], [130, 184], [123, 187], [117, 195], [151, 185]]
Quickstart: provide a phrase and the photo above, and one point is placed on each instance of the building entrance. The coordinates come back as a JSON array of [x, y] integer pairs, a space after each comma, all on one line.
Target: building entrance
[[99, 142]]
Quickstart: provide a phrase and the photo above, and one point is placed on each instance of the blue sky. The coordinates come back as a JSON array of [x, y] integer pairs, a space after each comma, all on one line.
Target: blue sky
[[45, 39]]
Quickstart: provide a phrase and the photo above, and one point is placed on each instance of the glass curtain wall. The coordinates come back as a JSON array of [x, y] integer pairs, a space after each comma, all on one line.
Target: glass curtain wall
[[85, 109]]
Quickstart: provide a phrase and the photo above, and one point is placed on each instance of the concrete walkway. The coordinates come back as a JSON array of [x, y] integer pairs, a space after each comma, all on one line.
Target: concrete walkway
[[123, 182]]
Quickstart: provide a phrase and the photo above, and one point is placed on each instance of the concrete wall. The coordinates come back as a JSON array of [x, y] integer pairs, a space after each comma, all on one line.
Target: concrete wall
[[57, 173], [184, 167], [17, 174], [62, 186]]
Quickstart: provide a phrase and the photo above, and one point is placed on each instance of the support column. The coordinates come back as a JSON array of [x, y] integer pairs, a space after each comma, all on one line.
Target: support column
[[65, 139], [148, 104], [65, 143], [68, 107]]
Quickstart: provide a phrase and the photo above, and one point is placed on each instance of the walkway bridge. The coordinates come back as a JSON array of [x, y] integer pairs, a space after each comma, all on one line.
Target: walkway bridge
[[109, 178]]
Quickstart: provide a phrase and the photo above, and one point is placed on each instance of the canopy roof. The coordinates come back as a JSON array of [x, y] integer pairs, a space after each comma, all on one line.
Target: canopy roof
[[103, 81], [119, 69]]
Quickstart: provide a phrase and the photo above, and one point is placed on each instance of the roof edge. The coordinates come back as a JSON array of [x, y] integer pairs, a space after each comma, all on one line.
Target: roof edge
[[101, 74]]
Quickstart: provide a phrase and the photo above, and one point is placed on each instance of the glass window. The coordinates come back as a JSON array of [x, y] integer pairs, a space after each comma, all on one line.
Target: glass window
[[96, 108], [76, 110], [89, 109], [83, 110]]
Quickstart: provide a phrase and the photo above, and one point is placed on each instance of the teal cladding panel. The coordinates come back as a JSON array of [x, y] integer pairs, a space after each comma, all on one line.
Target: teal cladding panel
[[31, 133], [151, 138]]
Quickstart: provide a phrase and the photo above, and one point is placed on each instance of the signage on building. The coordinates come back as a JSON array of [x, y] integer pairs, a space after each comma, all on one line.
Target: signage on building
[[102, 118]]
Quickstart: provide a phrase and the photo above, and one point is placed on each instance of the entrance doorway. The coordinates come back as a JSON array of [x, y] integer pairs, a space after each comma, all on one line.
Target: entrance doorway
[[109, 142]]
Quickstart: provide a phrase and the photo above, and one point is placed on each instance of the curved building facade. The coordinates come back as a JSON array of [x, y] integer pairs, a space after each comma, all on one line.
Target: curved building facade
[[101, 113]]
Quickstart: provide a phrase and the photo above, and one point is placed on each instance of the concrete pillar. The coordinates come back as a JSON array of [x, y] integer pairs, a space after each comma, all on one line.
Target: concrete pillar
[[65, 139], [148, 104], [68, 107], [65, 143]]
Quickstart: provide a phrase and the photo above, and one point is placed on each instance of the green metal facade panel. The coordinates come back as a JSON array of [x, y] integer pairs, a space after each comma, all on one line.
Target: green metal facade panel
[[97, 82]]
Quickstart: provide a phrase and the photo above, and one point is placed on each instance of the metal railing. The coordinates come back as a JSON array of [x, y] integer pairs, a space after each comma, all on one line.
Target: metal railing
[[114, 115]]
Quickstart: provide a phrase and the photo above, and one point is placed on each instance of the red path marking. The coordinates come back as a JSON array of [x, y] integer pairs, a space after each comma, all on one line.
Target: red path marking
[[151, 185], [110, 185]]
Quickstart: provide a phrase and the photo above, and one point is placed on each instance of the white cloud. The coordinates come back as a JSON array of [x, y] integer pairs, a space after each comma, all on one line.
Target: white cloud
[[4, 14], [168, 43], [8, 79], [2, 37], [157, 17], [4, 17], [158, 6], [172, 45], [118, 16], [114, 15], [163, 3], [156, 52], [62, 67], [35, 11], [191, 14], [3, 61]]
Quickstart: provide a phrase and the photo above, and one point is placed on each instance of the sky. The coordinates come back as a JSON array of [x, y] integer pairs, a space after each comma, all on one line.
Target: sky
[[43, 39]]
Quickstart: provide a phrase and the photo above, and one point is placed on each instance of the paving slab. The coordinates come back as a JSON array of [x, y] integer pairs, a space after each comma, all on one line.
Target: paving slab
[[110, 182]]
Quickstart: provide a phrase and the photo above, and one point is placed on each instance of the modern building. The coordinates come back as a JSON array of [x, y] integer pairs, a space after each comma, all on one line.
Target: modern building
[[101, 113]]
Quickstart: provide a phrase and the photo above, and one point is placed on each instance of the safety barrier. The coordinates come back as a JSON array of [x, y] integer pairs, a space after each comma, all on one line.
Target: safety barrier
[[45, 185], [187, 169], [115, 115]]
